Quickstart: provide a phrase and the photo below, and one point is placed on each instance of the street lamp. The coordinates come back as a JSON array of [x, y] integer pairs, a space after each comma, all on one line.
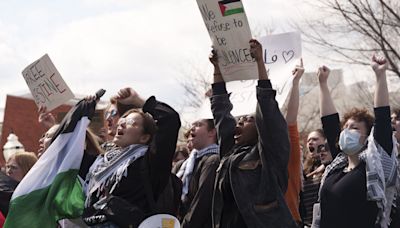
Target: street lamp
[[12, 146]]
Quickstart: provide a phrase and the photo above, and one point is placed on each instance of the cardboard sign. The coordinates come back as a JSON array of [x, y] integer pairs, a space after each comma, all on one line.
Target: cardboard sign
[[230, 34], [46, 84], [282, 52]]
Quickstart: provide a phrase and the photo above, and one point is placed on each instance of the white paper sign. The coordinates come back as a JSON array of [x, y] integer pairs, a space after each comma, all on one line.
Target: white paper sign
[[230, 34], [46, 84], [281, 53]]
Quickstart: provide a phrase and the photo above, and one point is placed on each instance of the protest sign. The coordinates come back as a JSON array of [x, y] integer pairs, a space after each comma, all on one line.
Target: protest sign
[[46, 84], [230, 34], [281, 53]]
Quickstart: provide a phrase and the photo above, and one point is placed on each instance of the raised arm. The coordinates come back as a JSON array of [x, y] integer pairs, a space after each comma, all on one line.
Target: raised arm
[[329, 116], [273, 139], [380, 65], [383, 128], [46, 119], [221, 108], [293, 103], [326, 105], [162, 148], [294, 166]]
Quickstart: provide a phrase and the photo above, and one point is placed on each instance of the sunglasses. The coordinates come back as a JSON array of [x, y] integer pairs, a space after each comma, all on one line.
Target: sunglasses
[[110, 114]]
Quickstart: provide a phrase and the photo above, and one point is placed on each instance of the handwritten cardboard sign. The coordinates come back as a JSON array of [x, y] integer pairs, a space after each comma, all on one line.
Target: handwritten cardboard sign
[[281, 54], [230, 34], [46, 84]]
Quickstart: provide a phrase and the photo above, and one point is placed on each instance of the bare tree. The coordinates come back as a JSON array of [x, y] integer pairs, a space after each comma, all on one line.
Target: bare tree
[[354, 29]]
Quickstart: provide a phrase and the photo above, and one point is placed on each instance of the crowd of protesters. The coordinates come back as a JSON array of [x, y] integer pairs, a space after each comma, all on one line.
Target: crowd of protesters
[[245, 171]]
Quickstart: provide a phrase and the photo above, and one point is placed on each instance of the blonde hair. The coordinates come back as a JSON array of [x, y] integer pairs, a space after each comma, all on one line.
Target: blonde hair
[[25, 160]]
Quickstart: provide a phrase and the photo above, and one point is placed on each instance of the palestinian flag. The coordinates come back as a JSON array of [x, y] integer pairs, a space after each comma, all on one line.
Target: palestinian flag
[[229, 7], [51, 190]]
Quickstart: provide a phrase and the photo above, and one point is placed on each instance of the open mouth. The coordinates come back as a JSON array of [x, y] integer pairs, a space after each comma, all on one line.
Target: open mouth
[[120, 132], [238, 133]]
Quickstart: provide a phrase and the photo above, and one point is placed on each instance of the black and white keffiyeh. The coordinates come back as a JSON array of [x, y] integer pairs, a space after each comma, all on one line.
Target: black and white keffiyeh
[[382, 175], [108, 170]]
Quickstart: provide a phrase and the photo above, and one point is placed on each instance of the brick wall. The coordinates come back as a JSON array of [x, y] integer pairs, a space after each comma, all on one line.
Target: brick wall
[[20, 115]]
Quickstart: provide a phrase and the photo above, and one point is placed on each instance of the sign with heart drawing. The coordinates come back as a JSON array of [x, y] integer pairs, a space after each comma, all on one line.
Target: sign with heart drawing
[[281, 53]]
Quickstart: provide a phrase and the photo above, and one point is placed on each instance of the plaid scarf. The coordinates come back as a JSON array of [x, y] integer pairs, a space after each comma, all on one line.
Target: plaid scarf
[[381, 173]]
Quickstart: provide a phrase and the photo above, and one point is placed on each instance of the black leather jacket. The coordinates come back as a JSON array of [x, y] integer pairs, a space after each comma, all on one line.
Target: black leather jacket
[[257, 174]]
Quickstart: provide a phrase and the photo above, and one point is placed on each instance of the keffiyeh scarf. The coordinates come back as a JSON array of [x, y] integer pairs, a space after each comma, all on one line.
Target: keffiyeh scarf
[[108, 170]]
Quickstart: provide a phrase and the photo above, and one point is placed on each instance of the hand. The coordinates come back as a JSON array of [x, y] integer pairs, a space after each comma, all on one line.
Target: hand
[[90, 98], [214, 58], [318, 171], [46, 119], [298, 72], [208, 93], [256, 50], [323, 74], [129, 96], [217, 71], [379, 64]]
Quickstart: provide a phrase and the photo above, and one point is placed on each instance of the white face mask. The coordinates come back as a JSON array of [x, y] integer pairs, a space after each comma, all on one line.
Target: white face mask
[[349, 141]]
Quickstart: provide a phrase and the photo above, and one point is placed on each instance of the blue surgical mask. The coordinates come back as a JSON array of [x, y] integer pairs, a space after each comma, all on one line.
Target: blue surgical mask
[[349, 141]]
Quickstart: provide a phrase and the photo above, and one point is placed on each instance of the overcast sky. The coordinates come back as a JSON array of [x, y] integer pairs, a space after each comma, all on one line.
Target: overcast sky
[[111, 44]]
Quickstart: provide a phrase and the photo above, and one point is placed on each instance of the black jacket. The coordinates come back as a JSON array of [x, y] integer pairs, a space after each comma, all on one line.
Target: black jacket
[[257, 175], [135, 187]]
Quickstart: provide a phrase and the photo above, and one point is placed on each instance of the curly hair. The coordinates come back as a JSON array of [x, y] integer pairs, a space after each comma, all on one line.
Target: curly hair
[[360, 115], [396, 112]]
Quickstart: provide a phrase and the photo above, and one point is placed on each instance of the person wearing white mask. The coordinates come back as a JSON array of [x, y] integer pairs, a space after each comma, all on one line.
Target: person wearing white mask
[[358, 187]]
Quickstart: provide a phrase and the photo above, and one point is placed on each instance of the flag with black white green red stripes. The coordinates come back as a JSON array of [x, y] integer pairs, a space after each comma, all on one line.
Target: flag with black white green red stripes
[[229, 7], [51, 190]]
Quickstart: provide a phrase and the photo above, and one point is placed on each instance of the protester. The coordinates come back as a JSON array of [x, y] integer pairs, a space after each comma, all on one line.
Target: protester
[[45, 140], [124, 183], [312, 174], [252, 176], [325, 154], [111, 117], [198, 175], [19, 164], [395, 216], [292, 195], [7, 187], [358, 187], [312, 159]]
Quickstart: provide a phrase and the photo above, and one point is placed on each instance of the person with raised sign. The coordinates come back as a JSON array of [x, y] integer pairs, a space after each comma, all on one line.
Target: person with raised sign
[[254, 151]]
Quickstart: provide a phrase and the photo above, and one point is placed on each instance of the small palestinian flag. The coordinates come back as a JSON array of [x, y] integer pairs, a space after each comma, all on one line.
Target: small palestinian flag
[[229, 7]]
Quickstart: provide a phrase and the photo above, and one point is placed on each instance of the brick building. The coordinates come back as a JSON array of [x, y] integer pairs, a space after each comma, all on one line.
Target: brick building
[[21, 117]]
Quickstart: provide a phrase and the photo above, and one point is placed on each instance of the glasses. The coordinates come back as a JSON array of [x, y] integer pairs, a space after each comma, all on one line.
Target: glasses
[[110, 114], [127, 122]]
